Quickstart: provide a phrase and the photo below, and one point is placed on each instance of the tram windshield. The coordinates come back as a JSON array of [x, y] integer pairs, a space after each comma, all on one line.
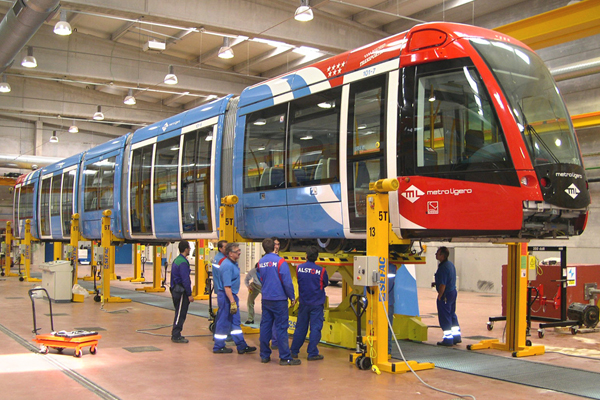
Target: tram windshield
[[534, 100]]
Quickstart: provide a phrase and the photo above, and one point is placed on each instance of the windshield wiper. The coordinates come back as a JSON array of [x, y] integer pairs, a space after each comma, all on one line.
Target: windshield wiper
[[531, 130]]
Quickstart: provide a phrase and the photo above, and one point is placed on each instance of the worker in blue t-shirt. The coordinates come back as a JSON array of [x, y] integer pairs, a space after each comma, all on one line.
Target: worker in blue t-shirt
[[228, 317], [445, 284], [181, 290], [312, 280], [277, 288]]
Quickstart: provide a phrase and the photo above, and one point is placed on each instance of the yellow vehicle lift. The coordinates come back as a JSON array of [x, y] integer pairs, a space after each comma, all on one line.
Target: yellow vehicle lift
[[93, 264], [201, 272], [158, 252], [137, 265], [107, 239], [378, 241], [516, 308], [8, 251], [74, 243], [27, 239]]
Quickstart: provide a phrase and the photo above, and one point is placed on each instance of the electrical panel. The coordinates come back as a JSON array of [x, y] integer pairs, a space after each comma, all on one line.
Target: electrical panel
[[366, 270]]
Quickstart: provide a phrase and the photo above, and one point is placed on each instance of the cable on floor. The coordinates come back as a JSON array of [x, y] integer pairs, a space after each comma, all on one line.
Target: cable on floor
[[145, 331], [573, 355], [462, 396]]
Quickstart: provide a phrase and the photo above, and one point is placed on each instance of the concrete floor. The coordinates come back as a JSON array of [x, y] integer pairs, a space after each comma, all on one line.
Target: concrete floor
[[174, 371]]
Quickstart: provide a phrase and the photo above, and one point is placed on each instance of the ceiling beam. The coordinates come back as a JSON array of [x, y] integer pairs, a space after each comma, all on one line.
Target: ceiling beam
[[244, 66], [116, 35]]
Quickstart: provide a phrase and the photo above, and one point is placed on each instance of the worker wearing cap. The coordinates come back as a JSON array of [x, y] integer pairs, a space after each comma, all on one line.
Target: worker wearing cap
[[312, 280], [181, 290], [228, 317]]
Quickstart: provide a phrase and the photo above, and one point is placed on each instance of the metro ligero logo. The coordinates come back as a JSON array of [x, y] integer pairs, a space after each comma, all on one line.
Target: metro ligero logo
[[572, 190], [413, 193]]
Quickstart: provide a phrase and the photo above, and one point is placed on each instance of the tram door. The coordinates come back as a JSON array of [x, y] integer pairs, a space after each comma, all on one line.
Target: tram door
[[140, 209], [366, 140]]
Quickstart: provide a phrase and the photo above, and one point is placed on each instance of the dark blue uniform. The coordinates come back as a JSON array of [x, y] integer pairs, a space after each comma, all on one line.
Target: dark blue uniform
[[181, 290], [446, 275], [277, 288], [227, 323], [312, 280]]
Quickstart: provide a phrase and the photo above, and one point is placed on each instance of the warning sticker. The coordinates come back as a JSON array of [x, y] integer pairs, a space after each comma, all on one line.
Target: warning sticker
[[571, 276], [433, 207]]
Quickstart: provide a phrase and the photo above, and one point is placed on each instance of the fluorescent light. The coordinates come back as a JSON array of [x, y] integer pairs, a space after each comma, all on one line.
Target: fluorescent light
[[73, 128], [4, 86], [307, 137], [29, 60], [54, 138], [155, 45], [171, 78], [129, 99], [98, 116], [260, 121], [325, 104], [362, 126], [304, 12], [306, 50], [261, 148], [62, 27], [225, 51], [209, 138]]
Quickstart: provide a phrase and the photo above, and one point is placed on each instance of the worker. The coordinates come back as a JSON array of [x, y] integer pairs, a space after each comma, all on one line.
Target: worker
[[254, 289], [181, 290], [277, 288], [217, 260], [228, 317], [312, 280], [445, 284]]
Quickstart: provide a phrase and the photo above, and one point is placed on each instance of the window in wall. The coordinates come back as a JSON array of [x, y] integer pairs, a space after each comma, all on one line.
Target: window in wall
[[141, 169], [195, 181], [165, 170], [45, 206], [366, 139], [67, 201], [456, 126], [264, 149], [314, 139]]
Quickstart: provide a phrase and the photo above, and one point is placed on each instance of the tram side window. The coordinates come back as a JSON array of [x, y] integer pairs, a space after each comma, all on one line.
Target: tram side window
[[67, 201], [195, 181], [44, 207], [264, 149], [99, 185], [26, 202], [314, 138], [55, 196], [456, 126], [141, 167], [165, 170]]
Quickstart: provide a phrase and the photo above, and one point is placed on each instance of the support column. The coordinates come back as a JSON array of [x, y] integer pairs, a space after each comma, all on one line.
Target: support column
[[8, 253], [156, 272], [201, 274], [137, 264], [516, 308], [58, 248], [75, 237], [106, 243], [27, 243]]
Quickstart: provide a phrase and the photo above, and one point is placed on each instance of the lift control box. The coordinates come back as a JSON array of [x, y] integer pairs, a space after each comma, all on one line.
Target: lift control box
[[366, 270]]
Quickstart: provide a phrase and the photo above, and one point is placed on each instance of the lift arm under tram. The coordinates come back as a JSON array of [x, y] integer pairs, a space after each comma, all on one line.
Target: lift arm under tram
[[107, 239], [376, 283], [157, 257], [137, 265]]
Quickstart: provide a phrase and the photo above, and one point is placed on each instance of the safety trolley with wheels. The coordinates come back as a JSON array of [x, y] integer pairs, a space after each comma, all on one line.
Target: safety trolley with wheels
[[76, 340]]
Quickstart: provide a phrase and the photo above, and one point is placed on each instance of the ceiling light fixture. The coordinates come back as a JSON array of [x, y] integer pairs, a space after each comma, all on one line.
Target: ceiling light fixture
[[98, 116], [171, 78], [154, 45], [29, 60], [4, 86], [54, 138], [62, 27], [225, 51], [304, 12], [73, 128], [129, 99]]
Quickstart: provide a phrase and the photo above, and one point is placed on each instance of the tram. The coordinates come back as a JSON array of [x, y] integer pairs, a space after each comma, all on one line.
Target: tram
[[469, 120]]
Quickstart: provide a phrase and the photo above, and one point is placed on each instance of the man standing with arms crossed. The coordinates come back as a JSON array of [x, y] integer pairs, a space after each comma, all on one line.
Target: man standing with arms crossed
[[445, 284], [228, 317], [277, 288]]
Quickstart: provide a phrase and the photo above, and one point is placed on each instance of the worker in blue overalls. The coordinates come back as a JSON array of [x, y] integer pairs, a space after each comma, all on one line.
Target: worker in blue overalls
[[445, 284], [312, 280], [181, 290], [228, 317], [277, 288]]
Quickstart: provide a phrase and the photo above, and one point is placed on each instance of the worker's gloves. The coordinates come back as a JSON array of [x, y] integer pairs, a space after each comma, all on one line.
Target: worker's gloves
[[233, 308]]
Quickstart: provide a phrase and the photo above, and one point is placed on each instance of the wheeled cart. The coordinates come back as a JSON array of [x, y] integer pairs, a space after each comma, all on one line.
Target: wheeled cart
[[76, 340]]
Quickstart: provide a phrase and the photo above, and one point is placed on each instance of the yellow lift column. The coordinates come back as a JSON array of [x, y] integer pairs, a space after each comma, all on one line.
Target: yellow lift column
[[157, 265], [199, 292], [137, 265], [75, 238], [516, 308], [27, 242], [58, 248], [378, 240], [106, 242], [7, 254]]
